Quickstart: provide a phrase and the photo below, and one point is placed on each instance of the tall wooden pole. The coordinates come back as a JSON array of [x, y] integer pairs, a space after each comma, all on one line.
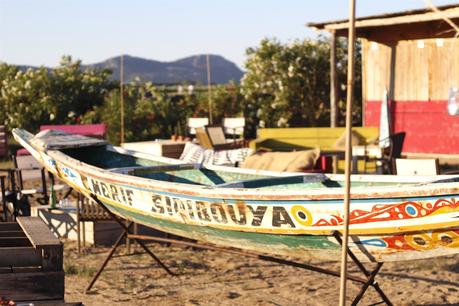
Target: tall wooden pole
[[347, 184], [209, 88], [122, 97], [333, 83], [333, 92]]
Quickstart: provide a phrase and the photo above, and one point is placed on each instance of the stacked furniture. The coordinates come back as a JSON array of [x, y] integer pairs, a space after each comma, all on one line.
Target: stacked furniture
[[330, 141]]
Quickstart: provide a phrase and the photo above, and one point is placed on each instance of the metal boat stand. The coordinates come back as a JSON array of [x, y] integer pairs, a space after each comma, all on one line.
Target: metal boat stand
[[366, 282]]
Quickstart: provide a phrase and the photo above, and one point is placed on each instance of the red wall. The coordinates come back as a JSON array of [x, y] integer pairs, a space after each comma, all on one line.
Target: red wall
[[428, 126]]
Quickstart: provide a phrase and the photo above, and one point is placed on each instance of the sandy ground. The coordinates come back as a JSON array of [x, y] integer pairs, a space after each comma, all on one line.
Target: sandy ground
[[215, 278]]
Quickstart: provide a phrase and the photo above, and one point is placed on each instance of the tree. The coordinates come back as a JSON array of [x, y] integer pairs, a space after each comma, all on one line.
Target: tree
[[288, 85], [40, 96], [149, 112]]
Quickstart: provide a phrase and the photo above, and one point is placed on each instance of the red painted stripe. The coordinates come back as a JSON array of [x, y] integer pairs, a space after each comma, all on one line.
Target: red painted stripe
[[428, 126]]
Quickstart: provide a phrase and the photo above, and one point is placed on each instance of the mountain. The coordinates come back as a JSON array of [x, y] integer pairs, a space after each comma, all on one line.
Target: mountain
[[191, 69]]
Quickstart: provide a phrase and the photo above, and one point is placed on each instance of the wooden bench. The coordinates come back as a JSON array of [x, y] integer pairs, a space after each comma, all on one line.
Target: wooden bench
[[31, 262], [290, 139]]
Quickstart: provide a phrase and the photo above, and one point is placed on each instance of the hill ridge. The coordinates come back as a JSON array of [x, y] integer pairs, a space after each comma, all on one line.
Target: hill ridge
[[191, 69]]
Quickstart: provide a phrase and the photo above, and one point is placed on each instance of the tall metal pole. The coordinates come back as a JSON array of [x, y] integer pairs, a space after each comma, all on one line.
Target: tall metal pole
[[347, 189], [122, 98], [209, 88]]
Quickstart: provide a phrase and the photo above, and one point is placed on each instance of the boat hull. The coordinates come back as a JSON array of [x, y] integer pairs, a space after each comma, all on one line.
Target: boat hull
[[382, 229], [381, 248]]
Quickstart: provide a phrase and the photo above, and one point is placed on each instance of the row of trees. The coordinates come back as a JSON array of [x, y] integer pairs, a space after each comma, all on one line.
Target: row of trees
[[285, 85]]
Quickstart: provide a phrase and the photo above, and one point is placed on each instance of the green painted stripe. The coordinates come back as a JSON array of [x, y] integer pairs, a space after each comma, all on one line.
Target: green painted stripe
[[237, 238]]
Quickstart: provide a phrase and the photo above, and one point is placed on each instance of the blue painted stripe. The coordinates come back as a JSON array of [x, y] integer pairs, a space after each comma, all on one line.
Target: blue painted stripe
[[289, 202]]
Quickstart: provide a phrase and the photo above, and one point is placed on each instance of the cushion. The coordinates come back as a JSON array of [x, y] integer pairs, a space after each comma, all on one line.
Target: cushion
[[230, 157], [356, 139], [283, 161], [192, 153]]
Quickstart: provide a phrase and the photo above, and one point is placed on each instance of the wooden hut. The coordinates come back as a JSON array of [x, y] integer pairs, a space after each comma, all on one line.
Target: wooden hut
[[415, 56]]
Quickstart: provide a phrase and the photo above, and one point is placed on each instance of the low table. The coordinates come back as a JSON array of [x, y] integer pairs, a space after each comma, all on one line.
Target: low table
[[167, 148], [63, 223], [363, 152]]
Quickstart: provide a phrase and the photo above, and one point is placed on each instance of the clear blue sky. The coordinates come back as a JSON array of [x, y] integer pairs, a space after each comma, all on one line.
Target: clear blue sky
[[39, 32]]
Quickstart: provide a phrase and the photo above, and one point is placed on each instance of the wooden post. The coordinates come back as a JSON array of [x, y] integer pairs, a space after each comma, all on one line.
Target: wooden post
[[333, 92], [209, 88], [333, 82], [347, 183], [122, 98]]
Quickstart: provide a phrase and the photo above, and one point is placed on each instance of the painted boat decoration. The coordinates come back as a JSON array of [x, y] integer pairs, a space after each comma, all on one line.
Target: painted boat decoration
[[289, 214]]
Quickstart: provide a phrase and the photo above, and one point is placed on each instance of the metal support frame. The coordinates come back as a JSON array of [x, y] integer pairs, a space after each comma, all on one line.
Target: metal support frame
[[125, 234], [367, 281], [369, 275], [12, 195]]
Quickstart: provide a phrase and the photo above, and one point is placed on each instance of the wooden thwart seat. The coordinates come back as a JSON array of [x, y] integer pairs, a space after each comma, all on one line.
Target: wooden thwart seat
[[152, 169], [273, 181]]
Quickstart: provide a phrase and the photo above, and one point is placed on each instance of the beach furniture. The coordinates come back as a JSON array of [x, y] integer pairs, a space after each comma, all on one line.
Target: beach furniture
[[330, 141], [213, 137], [234, 127], [194, 123], [429, 166], [161, 147], [31, 259]]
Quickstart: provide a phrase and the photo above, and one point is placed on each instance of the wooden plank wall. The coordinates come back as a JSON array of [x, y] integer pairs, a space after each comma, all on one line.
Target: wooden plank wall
[[375, 69], [443, 68], [424, 72], [428, 126], [424, 69]]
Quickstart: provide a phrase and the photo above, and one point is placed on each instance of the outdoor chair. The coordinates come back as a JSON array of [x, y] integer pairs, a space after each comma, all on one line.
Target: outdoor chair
[[213, 137], [27, 168], [194, 123], [14, 202], [386, 163], [234, 127]]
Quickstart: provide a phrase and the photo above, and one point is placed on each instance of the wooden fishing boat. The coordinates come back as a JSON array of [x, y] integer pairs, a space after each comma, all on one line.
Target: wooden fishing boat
[[290, 214]]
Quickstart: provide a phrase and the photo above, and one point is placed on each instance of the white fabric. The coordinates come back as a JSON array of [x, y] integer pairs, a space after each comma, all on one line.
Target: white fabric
[[193, 153], [384, 123], [453, 102]]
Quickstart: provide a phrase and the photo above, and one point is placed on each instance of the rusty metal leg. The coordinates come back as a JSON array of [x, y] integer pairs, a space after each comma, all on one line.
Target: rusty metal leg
[[127, 232], [44, 186], [128, 244], [369, 275], [109, 256], [83, 232], [370, 282], [78, 222]]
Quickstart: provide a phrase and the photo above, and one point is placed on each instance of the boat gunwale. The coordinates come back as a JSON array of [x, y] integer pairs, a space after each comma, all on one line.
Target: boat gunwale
[[421, 189]]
